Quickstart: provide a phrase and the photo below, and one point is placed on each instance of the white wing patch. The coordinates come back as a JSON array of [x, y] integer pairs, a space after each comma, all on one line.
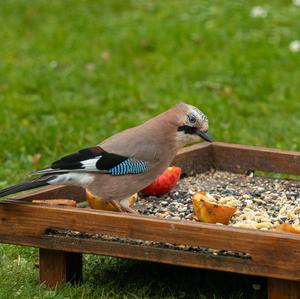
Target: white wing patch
[[72, 177], [87, 165], [91, 164]]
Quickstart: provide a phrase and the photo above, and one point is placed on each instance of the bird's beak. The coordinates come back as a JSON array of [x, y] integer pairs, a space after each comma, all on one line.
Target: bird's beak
[[204, 135]]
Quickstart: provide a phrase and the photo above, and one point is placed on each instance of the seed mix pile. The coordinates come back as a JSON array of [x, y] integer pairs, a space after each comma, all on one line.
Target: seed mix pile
[[261, 202]]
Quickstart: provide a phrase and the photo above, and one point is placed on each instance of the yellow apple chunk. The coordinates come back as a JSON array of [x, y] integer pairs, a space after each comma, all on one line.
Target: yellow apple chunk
[[288, 228], [210, 212], [100, 204]]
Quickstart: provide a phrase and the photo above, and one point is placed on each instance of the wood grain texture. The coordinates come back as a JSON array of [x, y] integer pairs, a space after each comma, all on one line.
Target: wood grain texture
[[273, 253], [240, 158], [194, 159], [142, 252], [283, 289], [58, 267]]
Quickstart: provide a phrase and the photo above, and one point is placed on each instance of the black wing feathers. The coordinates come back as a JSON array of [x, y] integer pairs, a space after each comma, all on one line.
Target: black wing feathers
[[73, 161], [109, 161], [106, 160]]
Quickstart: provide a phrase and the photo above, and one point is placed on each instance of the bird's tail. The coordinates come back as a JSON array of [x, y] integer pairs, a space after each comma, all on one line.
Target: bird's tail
[[42, 181]]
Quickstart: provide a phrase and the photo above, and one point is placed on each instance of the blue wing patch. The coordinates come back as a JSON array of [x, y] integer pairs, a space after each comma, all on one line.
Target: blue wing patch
[[129, 166]]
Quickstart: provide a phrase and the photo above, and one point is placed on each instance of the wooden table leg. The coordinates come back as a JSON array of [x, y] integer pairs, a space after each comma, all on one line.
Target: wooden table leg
[[58, 267], [283, 289]]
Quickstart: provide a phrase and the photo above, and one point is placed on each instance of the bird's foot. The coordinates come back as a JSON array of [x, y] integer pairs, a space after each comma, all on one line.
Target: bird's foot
[[190, 216], [125, 205], [116, 205]]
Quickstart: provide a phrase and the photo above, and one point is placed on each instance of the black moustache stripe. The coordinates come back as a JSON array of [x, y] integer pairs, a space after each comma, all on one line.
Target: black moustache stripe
[[187, 129]]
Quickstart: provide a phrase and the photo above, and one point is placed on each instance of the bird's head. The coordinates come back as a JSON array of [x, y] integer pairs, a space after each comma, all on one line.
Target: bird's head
[[191, 125]]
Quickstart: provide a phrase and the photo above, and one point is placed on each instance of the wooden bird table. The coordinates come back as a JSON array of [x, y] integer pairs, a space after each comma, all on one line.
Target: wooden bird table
[[271, 254]]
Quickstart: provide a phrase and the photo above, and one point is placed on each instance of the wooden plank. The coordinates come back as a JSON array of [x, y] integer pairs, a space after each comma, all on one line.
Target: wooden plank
[[240, 158], [146, 253], [280, 289], [195, 159], [154, 254], [58, 267], [276, 253]]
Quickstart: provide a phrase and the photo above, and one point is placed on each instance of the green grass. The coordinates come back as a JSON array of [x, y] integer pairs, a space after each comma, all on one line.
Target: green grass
[[115, 278], [75, 72]]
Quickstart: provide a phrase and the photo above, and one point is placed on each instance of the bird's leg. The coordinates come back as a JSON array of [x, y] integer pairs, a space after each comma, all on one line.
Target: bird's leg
[[116, 205], [124, 203], [190, 216]]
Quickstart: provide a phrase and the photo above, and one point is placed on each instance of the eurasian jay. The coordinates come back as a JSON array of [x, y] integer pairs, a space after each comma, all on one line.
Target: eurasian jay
[[128, 161]]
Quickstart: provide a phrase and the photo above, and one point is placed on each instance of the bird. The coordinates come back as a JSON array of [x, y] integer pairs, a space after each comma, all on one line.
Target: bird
[[126, 162]]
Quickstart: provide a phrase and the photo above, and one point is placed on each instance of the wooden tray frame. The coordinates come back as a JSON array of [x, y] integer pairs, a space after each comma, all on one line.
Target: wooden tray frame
[[273, 255]]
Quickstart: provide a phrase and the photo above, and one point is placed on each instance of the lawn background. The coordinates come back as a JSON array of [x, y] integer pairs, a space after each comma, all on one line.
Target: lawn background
[[75, 72]]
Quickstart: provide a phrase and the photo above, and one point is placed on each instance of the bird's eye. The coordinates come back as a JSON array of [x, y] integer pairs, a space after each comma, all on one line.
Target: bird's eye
[[192, 118]]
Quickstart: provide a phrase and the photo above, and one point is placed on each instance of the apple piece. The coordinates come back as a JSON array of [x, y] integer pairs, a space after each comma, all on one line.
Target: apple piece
[[288, 228], [132, 200], [164, 183], [56, 202], [100, 204], [210, 212]]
